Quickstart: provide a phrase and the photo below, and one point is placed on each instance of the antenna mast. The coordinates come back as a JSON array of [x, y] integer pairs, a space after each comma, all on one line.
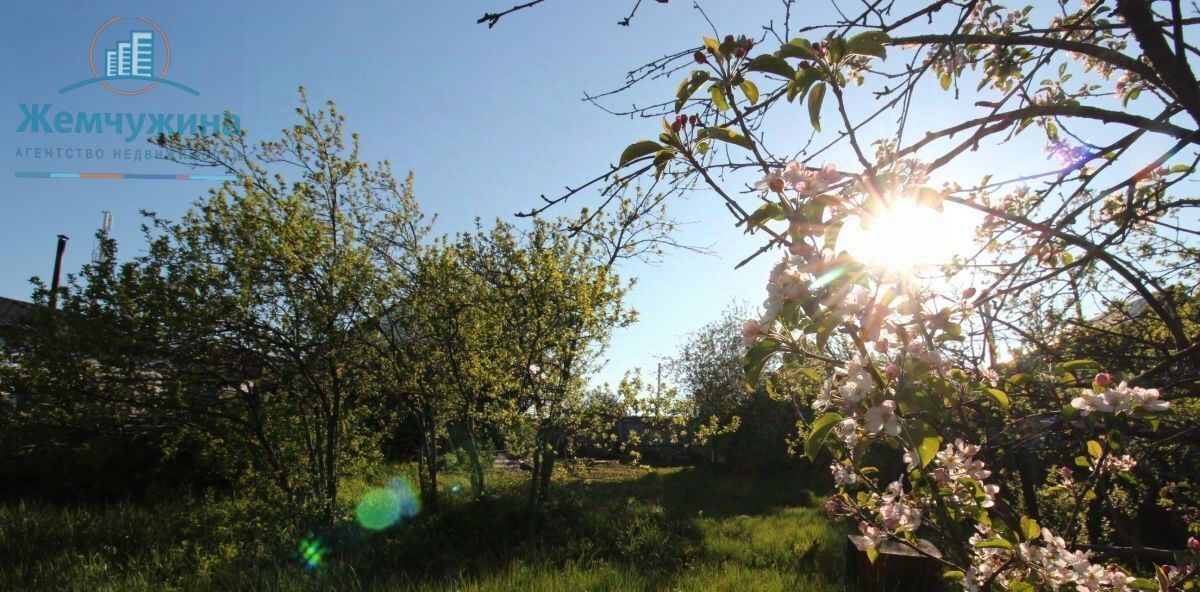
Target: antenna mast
[[105, 227]]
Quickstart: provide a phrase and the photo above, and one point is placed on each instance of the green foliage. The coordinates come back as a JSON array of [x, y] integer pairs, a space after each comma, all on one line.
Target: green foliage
[[242, 334], [818, 432]]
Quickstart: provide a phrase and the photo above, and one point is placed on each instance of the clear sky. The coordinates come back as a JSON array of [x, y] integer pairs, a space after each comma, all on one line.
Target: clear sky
[[486, 119]]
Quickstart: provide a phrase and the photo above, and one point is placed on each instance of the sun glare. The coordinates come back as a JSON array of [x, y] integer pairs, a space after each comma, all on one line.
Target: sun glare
[[909, 236]]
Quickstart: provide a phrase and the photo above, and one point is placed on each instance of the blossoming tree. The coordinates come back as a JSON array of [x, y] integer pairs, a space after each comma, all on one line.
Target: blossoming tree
[[957, 364]]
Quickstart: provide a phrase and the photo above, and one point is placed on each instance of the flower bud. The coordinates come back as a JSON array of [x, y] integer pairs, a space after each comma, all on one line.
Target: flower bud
[[700, 57], [677, 125], [775, 184], [739, 53], [729, 39], [694, 120], [892, 372], [1104, 379], [968, 293], [1193, 543]]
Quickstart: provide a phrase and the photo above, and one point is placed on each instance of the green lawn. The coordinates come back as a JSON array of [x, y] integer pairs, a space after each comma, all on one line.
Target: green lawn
[[621, 528]]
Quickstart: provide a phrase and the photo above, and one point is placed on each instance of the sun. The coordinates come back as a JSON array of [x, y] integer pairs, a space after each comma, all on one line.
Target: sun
[[908, 236]]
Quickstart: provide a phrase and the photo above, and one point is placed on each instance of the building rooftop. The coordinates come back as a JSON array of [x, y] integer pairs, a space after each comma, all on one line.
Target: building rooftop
[[12, 311]]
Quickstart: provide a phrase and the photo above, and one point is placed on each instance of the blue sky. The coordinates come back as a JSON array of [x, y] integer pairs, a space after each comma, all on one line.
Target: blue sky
[[486, 119]]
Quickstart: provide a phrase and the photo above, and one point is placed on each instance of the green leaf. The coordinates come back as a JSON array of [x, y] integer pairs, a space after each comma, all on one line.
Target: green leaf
[[953, 575], [688, 87], [816, 436], [872, 554], [994, 543], [999, 396], [1144, 584], [751, 91], [661, 160], [815, 97], [771, 64], [1069, 412], [803, 81], [836, 49], [1153, 420], [1094, 449], [926, 439], [713, 45], [1083, 461], [832, 231], [1021, 586], [767, 211], [718, 97], [1030, 528], [798, 48], [868, 43], [1164, 582], [725, 134], [637, 150], [945, 81], [1074, 365], [928, 197], [757, 357]]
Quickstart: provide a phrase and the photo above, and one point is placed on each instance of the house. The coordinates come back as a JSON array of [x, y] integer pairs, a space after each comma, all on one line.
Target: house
[[12, 312]]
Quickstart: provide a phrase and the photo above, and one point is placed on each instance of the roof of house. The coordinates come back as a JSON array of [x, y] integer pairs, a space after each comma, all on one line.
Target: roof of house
[[12, 311]]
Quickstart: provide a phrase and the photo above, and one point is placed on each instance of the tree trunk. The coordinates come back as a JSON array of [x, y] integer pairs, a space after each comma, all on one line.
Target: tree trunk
[[533, 478], [1026, 466], [477, 476], [428, 455], [432, 496], [547, 471], [1095, 513]]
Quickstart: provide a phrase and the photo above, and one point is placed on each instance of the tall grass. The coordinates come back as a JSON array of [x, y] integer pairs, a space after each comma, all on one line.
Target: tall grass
[[620, 529]]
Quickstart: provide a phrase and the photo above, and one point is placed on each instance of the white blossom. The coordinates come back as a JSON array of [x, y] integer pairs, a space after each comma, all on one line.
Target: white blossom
[[1118, 399]]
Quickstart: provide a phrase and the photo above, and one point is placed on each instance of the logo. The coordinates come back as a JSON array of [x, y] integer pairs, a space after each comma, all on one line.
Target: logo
[[134, 56]]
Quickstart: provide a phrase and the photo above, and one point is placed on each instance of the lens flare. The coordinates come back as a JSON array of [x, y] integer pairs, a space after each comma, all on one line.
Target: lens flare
[[311, 549], [385, 506], [908, 235]]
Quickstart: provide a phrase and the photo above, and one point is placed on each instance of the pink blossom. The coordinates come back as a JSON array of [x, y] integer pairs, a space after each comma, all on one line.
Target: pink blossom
[[882, 418], [751, 332], [892, 372]]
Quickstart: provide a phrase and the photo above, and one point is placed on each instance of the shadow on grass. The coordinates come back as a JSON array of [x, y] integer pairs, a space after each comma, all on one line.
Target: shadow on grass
[[660, 524], [622, 528], [710, 490]]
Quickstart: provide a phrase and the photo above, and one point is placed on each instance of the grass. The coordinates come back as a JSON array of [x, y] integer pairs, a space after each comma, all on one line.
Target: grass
[[621, 528]]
